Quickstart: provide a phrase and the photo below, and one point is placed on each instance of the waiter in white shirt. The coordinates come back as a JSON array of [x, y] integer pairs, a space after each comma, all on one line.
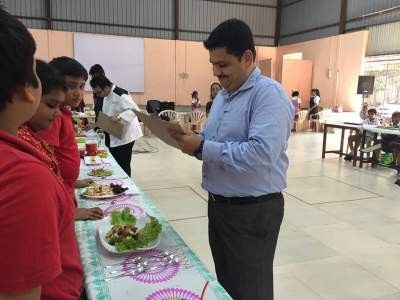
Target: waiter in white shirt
[[118, 104]]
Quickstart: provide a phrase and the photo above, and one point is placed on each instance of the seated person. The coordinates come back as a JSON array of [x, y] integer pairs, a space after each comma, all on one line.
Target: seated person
[[355, 140], [391, 142]]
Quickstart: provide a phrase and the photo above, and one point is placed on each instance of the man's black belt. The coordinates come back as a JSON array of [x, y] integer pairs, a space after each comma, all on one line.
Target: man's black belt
[[242, 200]]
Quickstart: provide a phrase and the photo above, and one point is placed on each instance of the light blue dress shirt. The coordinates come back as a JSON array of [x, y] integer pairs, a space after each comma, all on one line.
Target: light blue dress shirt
[[245, 139]]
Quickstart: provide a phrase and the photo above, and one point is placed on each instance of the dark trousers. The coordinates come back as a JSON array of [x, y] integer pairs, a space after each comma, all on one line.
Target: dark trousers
[[123, 155], [243, 240]]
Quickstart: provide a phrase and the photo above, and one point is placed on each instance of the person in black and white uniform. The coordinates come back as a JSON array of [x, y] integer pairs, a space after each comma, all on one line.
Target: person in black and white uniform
[[117, 103]]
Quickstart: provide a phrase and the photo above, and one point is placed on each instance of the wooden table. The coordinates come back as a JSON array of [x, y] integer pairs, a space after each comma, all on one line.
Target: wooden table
[[343, 126]]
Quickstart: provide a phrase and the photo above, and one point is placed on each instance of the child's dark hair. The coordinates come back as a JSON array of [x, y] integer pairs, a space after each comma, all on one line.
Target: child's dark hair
[[372, 111], [295, 93], [50, 78], [68, 66], [17, 48]]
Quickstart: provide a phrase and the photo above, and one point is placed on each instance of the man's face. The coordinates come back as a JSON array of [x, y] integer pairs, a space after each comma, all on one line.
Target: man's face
[[99, 92], [75, 90], [231, 71]]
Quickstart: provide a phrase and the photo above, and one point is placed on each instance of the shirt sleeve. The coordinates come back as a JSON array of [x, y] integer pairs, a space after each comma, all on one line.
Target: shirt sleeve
[[127, 104], [52, 135], [269, 129], [30, 250]]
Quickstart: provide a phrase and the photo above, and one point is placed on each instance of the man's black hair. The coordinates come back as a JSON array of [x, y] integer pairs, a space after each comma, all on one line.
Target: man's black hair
[[50, 78], [96, 70], [17, 48], [68, 66], [100, 81], [234, 35]]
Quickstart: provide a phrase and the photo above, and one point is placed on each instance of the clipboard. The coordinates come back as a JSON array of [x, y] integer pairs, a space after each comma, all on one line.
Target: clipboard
[[160, 128], [110, 126]]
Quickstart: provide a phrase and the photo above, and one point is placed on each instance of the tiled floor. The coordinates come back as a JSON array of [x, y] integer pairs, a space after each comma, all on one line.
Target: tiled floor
[[340, 238]]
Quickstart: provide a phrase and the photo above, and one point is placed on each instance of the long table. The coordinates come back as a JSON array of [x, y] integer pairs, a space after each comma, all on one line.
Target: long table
[[181, 282], [343, 127], [375, 130]]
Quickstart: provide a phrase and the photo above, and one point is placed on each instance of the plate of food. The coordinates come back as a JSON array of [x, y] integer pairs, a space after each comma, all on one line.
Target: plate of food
[[101, 172], [124, 232], [92, 160], [103, 191], [102, 153]]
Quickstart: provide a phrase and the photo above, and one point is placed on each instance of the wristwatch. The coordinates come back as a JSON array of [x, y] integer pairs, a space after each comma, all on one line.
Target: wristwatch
[[198, 153]]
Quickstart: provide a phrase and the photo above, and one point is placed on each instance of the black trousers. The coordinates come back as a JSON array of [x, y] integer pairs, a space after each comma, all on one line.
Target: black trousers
[[123, 155], [243, 240]]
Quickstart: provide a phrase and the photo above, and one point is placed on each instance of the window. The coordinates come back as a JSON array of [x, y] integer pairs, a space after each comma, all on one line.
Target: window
[[386, 70]]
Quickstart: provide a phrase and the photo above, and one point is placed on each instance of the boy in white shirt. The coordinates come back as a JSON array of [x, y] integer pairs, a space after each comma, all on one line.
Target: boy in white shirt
[[354, 140]]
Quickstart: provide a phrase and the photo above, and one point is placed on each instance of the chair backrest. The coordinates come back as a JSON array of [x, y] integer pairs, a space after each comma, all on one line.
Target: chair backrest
[[303, 114], [170, 114], [196, 116]]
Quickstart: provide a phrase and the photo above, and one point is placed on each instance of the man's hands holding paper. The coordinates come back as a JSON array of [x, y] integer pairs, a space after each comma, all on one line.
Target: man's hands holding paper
[[188, 141]]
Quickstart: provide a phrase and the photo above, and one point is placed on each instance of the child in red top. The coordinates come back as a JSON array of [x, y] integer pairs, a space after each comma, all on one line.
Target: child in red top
[[61, 135], [39, 255]]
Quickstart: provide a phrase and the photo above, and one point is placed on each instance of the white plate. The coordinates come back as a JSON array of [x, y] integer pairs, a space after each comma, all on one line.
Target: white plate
[[101, 197], [105, 226], [92, 160], [97, 176]]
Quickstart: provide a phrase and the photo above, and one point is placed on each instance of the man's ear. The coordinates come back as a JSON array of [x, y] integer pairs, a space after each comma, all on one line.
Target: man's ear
[[248, 57]]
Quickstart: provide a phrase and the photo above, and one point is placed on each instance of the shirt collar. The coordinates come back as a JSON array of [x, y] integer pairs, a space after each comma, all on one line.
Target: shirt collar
[[249, 83], [111, 91]]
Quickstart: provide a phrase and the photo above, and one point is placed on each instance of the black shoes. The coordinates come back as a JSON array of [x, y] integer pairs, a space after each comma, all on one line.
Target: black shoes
[[348, 157]]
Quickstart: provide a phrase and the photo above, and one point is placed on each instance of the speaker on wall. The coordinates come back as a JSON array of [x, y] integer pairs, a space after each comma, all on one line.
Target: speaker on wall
[[365, 85]]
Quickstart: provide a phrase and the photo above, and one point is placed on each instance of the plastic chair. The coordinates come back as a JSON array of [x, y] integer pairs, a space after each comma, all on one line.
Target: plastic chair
[[169, 115], [196, 120], [298, 124], [319, 120]]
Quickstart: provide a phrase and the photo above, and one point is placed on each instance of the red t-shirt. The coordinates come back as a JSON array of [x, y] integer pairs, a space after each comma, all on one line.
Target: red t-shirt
[[38, 241], [61, 136]]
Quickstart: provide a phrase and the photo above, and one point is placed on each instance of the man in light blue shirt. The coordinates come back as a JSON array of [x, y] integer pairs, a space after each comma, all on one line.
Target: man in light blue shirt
[[243, 150]]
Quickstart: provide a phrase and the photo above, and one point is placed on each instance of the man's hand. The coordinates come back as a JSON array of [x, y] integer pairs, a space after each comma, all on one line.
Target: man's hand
[[116, 118], [81, 183], [93, 213], [188, 142]]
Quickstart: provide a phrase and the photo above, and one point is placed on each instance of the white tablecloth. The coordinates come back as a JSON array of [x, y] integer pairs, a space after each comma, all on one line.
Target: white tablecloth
[[183, 283]]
